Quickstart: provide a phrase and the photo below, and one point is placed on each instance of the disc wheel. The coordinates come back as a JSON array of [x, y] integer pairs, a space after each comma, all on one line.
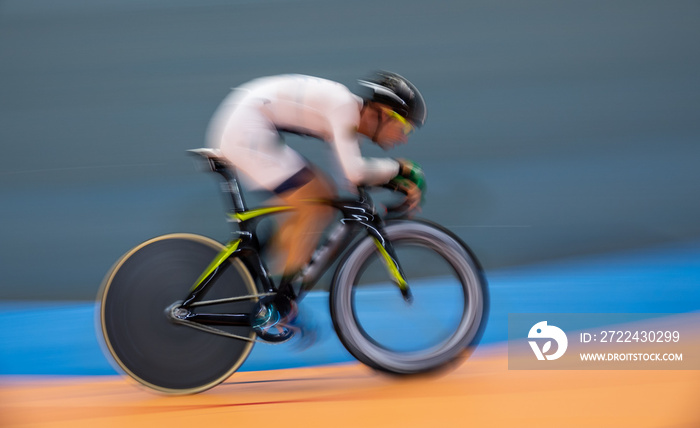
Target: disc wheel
[[447, 314], [141, 336]]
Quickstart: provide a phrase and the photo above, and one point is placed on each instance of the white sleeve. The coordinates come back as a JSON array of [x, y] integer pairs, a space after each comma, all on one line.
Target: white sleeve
[[343, 120], [359, 170]]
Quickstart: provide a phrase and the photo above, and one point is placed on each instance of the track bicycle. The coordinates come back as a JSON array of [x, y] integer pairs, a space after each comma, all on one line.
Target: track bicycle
[[180, 313]]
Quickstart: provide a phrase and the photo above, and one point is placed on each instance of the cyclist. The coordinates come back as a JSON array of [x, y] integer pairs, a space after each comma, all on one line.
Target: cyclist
[[246, 129]]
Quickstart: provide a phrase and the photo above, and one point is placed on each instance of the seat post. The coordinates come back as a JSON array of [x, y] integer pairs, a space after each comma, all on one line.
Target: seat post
[[231, 187]]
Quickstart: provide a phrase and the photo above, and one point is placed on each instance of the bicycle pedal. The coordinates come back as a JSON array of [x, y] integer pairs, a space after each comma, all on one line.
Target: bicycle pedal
[[272, 325], [274, 334]]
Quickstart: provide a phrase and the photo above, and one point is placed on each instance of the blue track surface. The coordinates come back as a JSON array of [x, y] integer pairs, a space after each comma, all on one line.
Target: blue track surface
[[59, 338]]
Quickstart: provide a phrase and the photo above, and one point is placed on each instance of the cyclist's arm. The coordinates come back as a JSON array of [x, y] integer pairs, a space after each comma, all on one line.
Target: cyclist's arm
[[395, 175], [364, 171], [346, 147]]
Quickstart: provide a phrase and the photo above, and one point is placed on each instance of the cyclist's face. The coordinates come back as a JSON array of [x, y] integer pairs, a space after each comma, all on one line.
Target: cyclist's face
[[393, 130]]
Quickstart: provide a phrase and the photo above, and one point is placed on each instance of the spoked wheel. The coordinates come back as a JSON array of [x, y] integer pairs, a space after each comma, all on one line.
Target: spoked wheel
[[139, 332], [447, 314]]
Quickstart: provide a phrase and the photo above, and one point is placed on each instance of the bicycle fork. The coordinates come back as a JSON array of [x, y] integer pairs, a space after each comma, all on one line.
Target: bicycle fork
[[386, 250]]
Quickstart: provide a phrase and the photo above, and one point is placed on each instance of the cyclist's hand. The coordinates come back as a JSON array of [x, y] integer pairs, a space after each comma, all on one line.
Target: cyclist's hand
[[414, 194], [412, 171], [411, 182]]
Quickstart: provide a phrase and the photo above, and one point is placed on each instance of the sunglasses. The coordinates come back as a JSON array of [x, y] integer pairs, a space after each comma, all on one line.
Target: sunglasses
[[407, 126]]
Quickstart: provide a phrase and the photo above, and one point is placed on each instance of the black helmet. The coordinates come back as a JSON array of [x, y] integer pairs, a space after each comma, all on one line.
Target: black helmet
[[396, 92]]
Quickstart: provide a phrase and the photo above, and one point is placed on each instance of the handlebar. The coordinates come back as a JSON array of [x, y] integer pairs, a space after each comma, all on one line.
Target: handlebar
[[398, 209]]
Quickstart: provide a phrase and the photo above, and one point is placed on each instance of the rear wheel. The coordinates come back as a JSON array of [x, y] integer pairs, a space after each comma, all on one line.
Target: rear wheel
[[139, 332], [447, 314]]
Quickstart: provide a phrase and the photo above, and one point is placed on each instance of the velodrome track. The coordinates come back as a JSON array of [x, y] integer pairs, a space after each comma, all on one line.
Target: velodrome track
[[480, 393]]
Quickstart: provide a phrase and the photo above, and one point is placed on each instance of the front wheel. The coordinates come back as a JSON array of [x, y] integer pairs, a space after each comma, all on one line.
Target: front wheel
[[447, 314]]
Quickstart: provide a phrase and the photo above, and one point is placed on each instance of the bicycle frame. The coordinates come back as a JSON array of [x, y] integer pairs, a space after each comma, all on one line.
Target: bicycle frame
[[357, 214]]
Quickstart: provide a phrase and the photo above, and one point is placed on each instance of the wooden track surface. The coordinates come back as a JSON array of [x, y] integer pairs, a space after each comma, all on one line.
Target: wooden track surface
[[480, 392]]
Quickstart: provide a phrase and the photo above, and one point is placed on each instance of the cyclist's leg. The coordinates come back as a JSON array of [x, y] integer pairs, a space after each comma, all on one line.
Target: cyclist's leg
[[300, 232], [293, 245]]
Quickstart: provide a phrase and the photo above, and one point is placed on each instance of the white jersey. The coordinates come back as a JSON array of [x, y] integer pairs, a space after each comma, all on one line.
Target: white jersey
[[246, 128]]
